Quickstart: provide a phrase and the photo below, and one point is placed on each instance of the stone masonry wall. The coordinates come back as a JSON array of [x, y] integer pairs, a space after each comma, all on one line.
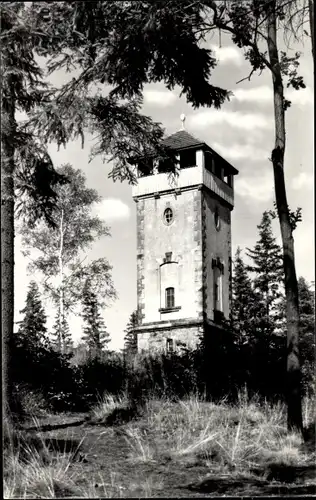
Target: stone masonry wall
[[156, 340]]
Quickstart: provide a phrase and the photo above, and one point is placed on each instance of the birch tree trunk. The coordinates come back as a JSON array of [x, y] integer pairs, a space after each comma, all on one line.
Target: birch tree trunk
[[61, 291], [291, 289], [7, 242]]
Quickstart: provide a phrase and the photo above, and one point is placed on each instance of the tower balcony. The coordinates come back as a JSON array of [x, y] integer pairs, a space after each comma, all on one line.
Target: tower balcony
[[186, 178]]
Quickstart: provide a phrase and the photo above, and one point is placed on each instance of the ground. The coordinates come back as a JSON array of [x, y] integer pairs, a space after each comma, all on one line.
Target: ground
[[95, 459]]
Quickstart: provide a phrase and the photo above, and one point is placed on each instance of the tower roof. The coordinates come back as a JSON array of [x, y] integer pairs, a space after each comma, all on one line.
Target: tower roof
[[181, 140]]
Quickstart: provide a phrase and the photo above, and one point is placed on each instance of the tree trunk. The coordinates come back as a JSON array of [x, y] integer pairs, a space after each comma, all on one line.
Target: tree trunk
[[61, 342], [291, 289], [311, 24], [7, 244]]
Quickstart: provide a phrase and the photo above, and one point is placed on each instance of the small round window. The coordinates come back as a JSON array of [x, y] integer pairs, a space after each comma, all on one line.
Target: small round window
[[168, 216], [216, 219]]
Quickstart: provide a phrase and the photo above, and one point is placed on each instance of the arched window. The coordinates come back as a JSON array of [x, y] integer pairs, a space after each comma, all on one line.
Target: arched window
[[169, 297]]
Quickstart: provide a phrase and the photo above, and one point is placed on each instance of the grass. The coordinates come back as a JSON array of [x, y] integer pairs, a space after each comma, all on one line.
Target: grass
[[226, 438], [171, 445], [106, 405]]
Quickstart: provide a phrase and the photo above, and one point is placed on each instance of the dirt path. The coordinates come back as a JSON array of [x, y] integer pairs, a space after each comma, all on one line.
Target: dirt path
[[105, 457]]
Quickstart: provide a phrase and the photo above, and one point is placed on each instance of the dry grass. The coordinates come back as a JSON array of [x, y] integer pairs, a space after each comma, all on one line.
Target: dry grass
[[107, 404], [237, 437], [31, 470], [230, 441]]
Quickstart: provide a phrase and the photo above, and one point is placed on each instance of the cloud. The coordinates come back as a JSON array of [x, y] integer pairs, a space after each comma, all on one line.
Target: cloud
[[240, 151], [112, 209], [255, 94], [256, 188], [264, 94], [162, 98], [237, 119], [300, 97], [303, 180], [228, 55]]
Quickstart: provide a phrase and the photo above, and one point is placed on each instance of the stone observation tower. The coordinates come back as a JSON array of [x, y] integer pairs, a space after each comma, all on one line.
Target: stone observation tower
[[183, 245]]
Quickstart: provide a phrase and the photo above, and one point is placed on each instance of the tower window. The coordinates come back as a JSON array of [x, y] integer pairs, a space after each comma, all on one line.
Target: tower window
[[169, 345], [217, 290], [168, 215], [188, 159], [228, 180], [169, 297], [216, 219], [166, 166], [218, 170], [168, 257]]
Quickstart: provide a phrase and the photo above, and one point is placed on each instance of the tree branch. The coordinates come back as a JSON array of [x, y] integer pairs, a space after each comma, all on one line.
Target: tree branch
[[247, 77], [224, 26]]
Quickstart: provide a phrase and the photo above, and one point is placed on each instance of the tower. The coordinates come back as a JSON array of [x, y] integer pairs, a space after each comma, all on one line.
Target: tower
[[183, 245]]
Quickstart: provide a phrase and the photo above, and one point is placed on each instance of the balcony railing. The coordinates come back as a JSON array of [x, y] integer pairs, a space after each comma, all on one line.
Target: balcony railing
[[188, 177], [152, 184]]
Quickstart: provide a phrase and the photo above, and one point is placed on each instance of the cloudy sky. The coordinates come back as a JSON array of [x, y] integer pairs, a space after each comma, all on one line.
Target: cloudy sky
[[242, 131]]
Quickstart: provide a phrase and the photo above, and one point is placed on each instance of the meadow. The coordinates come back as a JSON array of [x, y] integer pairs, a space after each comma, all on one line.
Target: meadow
[[160, 446]]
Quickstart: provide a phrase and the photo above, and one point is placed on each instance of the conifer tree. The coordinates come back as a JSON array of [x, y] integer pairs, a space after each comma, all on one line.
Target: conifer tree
[[95, 335], [32, 331], [244, 302], [268, 274], [130, 339], [61, 340], [307, 330]]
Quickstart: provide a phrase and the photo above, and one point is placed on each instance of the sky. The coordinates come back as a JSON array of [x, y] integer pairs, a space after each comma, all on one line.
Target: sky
[[242, 131]]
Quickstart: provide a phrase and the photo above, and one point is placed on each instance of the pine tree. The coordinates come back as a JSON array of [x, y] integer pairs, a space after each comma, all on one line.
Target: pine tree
[[307, 330], [95, 335], [61, 340], [244, 303], [267, 269], [130, 339], [32, 330]]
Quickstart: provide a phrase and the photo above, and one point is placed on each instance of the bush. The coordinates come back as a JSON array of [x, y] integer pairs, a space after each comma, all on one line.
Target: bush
[[217, 369]]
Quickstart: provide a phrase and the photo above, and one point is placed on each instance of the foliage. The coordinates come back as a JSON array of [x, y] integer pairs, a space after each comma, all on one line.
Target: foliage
[[244, 303], [130, 339], [307, 333], [295, 216], [80, 354], [32, 329], [23, 89], [120, 45], [268, 274], [95, 335], [61, 336], [60, 253], [46, 371]]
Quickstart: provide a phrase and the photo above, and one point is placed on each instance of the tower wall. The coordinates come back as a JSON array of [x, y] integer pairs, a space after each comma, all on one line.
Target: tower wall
[[217, 244], [183, 238]]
